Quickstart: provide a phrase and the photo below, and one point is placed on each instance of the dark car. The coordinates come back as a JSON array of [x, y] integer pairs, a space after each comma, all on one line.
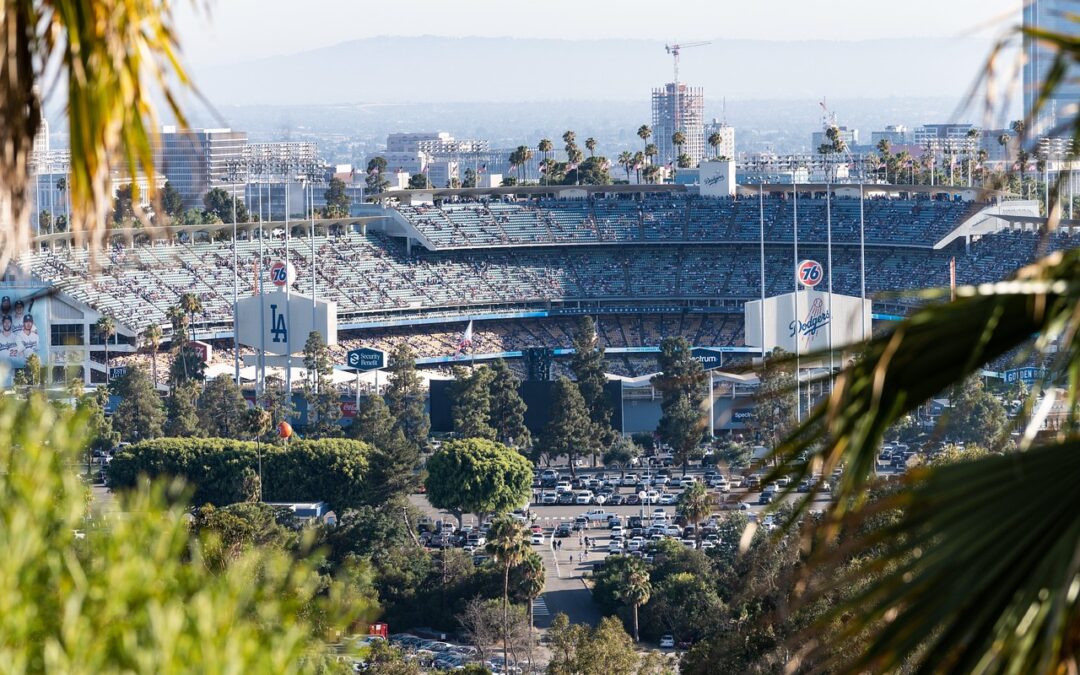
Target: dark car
[[615, 499], [632, 500], [633, 521], [563, 530], [566, 498]]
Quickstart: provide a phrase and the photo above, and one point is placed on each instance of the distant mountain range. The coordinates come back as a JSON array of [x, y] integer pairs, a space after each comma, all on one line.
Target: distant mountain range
[[440, 70]]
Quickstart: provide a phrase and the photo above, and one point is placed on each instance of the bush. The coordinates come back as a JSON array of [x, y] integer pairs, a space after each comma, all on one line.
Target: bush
[[219, 469]]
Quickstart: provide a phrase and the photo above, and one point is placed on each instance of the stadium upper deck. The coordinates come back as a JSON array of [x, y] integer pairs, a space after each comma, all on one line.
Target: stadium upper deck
[[374, 279], [678, 218]]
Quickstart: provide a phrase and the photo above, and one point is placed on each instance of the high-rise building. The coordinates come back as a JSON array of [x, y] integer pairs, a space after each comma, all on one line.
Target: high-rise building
[[197, 160], [727, 138], [678, 107], [1054, 16]]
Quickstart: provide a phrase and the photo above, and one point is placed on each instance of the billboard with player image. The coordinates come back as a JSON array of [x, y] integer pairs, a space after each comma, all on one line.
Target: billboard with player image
[[24, 327]]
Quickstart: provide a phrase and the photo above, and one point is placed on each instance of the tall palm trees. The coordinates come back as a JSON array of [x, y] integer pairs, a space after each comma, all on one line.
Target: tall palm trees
[[545, 146], [533, 578], [178, 318], [191, 304], [509, 545], [644, 132], [678, 139], [635, 589], [715, 139], [590, 145], [106, 327], [569, 137], [152, 335], [651, 151], [639, 161], [695, 504], [626, 159]]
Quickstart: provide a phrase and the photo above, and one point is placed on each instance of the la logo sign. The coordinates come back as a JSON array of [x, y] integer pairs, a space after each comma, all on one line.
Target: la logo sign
[[809, 273]]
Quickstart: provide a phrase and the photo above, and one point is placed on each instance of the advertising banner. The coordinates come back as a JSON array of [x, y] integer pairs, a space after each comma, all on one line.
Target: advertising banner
[[24, 327]]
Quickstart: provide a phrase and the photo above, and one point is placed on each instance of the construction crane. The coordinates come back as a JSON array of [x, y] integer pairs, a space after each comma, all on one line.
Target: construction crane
[[674, 51]]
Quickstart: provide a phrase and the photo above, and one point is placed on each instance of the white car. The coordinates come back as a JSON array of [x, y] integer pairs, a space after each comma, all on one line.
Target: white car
[[563, 486], [667, 642], [687, 481], [629, 480], [660, 481], [615, 546], [668, 498], [672, 531], [635, 544], [538, 538], [659, 513], [689, 543], [583, 497], [617, 531], [652, 497]]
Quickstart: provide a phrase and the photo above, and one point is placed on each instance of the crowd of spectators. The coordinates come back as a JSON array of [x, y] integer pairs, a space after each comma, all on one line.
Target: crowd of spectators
[[373, 276], [663, 218]]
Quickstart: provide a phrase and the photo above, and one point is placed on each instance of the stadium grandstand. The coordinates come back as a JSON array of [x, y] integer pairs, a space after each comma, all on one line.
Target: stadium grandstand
[[522, 267]]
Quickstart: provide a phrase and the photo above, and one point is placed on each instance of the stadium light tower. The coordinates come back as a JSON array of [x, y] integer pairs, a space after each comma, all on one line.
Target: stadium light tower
[[677, 47]]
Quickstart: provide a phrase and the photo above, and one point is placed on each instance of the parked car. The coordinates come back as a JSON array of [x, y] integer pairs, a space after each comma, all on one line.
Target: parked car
[[615, 499], [667, 641], [549, 498], [538, 539], [668, 498], [583, 497], [563, 530], [566, 498]]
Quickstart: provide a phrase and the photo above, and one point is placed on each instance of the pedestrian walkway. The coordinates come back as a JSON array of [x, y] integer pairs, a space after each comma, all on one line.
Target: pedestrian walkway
[[540, 608]]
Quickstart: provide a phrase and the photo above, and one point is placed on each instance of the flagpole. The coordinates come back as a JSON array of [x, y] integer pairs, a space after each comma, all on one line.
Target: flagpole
[[795, 295], [761, 226], [828, 234], [261, 384], [862, 258]]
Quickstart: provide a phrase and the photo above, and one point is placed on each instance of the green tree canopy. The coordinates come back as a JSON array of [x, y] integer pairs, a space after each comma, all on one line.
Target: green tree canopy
[[78, 598], [219, 204], [470, 406], [223, 410], [139, 414], [681, 383], [337, 199], [570, 430], [475, 475], [323, 406], [507, 407], [393, 460], [172, 202], [590, 370], [181, 412], [405, 395]]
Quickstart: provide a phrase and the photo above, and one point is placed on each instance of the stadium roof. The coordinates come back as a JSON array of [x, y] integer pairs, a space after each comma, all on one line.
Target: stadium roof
[[977, 193], [527, 190], [170, 231]]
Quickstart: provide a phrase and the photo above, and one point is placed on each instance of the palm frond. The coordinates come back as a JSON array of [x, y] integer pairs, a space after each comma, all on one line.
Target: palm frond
[[979, 573], [115, 55], [938, 346]]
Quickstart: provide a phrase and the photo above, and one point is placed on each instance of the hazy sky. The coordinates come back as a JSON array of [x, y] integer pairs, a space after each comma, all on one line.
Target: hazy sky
[[241, 30]]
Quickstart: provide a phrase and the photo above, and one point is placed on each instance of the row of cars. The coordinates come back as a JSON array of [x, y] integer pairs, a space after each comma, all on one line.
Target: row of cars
[[601, 490], [441, 655], [639, 532]]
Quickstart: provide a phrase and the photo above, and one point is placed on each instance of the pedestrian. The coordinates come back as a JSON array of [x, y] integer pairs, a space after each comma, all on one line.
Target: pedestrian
[[580, 541]]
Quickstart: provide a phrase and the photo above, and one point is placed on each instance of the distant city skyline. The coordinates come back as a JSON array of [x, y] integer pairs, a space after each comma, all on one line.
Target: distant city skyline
[[242, 30]]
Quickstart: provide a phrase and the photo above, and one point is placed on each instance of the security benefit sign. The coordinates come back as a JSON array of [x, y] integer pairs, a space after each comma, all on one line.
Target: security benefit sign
[[281, 325], [366, 358]]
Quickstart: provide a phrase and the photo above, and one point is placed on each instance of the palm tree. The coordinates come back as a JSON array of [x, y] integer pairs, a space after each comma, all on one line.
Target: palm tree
[[715, 139], [695, 504], [115, 59], [533, 578], [545, 146], [526, 157], [569, 137], [651, 151], [1016, 610], [639, 161], [152, 335], [509, 545], [678, 139], [179, 320], [644, 132], [590, 145], [191, 304], [635, 589], [106, 327], [626, 159]]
